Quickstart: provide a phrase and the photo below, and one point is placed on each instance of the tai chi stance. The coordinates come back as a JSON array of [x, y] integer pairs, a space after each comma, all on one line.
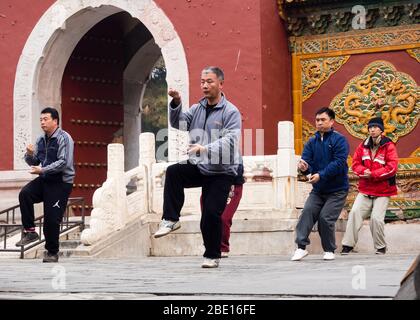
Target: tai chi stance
[[375, 162]]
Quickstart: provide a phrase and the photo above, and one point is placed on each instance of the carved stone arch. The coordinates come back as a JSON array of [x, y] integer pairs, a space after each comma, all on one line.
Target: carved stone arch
[[50, 44]]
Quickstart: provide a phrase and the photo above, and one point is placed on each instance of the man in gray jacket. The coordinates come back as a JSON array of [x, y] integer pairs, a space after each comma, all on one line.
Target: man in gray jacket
[[52, 160], [214, 126]]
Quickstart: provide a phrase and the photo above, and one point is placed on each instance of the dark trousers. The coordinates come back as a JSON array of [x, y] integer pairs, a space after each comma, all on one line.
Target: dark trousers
[[215, 191], [227, 216], [324, 209], [55, 196]]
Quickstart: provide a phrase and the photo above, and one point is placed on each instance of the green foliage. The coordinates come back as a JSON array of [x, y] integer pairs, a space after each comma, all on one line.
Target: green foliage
[[155, 102]]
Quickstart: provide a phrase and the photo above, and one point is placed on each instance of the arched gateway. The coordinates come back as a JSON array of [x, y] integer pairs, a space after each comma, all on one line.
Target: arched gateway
[[91, 59]]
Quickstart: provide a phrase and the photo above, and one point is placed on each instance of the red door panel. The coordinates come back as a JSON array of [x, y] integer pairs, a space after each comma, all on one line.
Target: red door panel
[[92, 103]]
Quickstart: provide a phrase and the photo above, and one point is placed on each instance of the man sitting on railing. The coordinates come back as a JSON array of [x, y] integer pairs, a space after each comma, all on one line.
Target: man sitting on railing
[[52, 160]]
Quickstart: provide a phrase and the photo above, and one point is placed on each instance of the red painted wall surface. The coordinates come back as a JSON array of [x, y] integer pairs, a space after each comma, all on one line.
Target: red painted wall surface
[[227, 34], [17, 19], [240, 36], [276, 74], [354, 67], [248, 41]]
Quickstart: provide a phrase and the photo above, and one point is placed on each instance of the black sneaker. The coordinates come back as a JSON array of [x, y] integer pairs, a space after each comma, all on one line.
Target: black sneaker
[[50, 257], [28, 237], [346, 250], [381, 250]]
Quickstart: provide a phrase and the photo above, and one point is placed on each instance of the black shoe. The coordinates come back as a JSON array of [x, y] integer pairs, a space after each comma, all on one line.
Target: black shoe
[[50, 257], [346, 250], [381, 250], [28, 237]]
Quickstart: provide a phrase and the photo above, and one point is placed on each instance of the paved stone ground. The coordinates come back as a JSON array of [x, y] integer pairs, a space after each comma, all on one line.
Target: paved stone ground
[[238, 277]]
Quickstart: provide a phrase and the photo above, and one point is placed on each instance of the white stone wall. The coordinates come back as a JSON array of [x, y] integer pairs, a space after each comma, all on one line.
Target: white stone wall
[[269, 190], [11, 182]]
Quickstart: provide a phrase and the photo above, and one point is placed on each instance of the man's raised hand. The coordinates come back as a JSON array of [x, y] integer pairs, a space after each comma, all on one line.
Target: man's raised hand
[[30, 150], [175, 95]]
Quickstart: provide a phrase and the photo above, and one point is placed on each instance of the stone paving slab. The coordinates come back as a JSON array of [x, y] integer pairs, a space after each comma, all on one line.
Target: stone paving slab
[[238, 277]]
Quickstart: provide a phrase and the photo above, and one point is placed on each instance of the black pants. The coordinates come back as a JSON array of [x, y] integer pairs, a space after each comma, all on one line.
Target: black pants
[[324, 209], [215, 191], [55, 196]]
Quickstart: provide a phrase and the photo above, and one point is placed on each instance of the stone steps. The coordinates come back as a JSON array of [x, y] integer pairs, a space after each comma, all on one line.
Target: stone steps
[[249, 236], [69, 241], [69, 244], [252, 233], [276, 237]]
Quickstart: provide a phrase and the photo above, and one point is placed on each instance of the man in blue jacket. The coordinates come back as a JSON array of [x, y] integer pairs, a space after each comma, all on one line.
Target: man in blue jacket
[[214, 126], [324, 160], [52, 160]]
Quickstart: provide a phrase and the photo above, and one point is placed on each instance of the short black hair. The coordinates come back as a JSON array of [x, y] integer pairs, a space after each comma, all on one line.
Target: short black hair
[[53, 112], [326, 110], [217, 71]]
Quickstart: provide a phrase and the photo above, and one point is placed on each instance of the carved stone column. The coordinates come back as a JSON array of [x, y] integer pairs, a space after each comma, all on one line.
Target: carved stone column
[[116, 174], [109, 212], [133, 92], [147, 157], [285, 175], [147, 149]]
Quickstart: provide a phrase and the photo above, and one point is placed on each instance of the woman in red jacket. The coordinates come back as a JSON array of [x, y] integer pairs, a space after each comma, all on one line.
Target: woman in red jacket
[[375, 162]]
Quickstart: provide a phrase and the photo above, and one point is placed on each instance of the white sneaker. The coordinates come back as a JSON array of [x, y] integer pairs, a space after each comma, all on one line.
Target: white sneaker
[[329, 256], [299, 254], [225, 254], [210, 263], [165, 227]]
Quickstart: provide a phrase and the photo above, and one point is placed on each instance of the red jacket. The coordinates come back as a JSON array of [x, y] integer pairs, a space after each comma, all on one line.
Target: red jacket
[[383, 168]]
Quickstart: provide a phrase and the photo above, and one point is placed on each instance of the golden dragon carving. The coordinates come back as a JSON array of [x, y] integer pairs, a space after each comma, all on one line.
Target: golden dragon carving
[[380, 91]]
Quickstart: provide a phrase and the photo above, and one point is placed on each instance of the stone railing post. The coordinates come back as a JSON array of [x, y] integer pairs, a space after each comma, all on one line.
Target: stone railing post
[[147, 157], [285, 175], [116, 173], [110, 212], [147, 154]]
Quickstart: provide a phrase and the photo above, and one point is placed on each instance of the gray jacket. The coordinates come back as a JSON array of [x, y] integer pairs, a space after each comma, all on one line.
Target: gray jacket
[[55, 155], [218, 130]]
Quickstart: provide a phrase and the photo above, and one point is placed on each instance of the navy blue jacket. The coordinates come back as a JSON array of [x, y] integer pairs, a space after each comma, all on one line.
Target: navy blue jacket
[[328, 157], [55, 156]]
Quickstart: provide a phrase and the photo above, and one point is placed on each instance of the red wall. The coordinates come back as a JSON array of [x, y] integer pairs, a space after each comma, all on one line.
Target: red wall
[[276, 69], [246, 39], [17, 19], [354, 67], [212, 32]]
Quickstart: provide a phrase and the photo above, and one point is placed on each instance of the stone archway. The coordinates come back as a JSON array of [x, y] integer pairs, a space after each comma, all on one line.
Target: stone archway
[[135, 83], [49, 46]]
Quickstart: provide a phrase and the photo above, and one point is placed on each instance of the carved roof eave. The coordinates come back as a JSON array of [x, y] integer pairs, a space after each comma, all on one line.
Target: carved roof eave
[[315, 17], [345, 42]]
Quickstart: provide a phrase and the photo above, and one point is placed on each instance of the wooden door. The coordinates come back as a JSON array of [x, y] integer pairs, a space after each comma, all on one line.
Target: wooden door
[[92, 104]]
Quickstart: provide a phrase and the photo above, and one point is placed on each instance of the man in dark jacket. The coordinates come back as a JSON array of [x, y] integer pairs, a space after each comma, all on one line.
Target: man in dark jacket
[[214, 126], [52, 160], [324, 160], [375, 161]]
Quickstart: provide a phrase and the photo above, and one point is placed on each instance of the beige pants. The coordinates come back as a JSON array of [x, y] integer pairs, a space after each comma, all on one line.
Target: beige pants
[[364, 207]]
